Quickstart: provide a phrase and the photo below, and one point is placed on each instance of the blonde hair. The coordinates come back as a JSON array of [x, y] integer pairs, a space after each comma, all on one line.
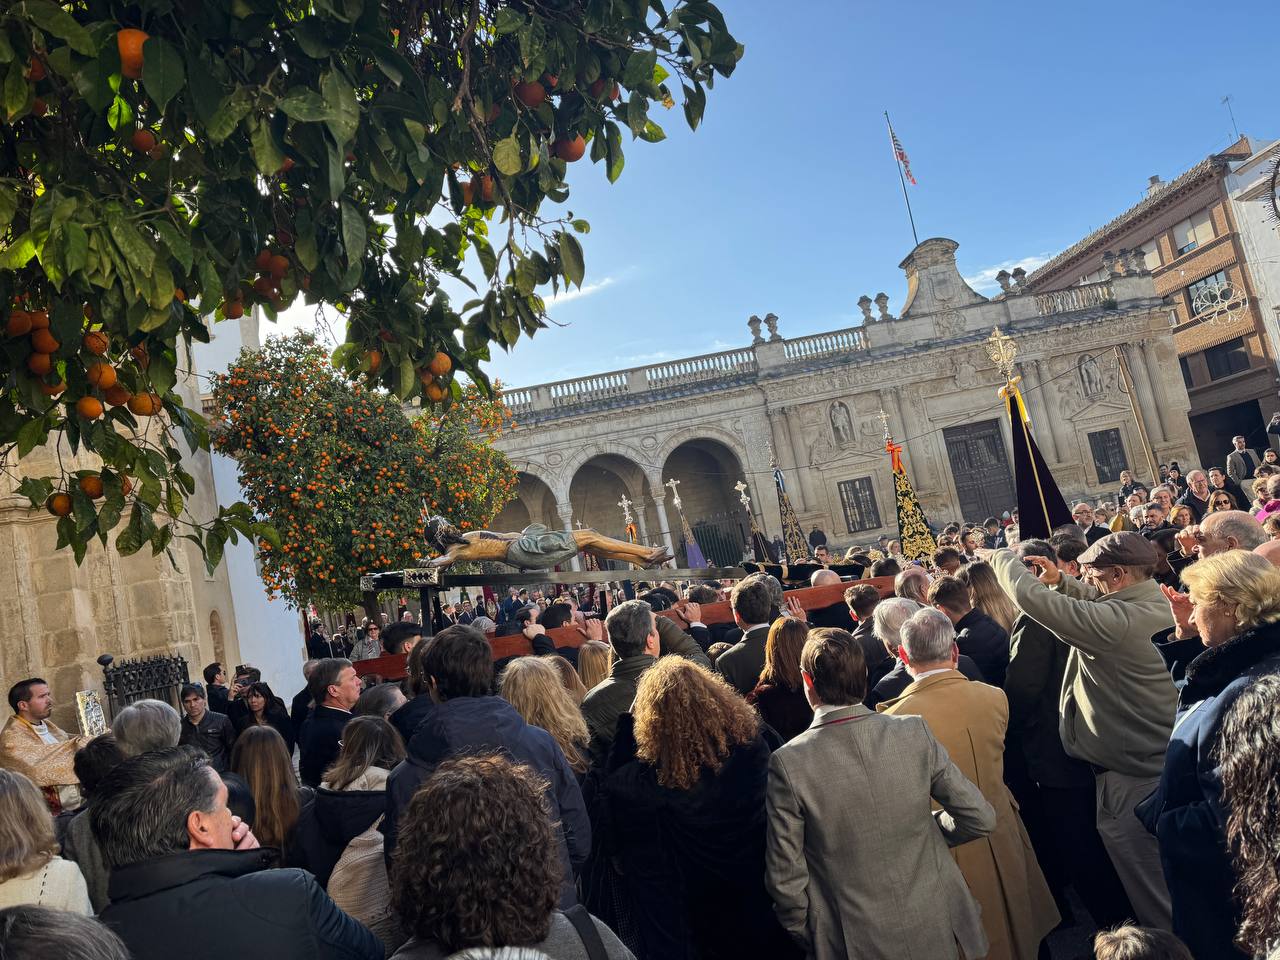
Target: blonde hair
[[595, 659], [533, 687], [27, 840], [986, 594], [1243, 582], [688, 720], [1138, 943], [568, 676]]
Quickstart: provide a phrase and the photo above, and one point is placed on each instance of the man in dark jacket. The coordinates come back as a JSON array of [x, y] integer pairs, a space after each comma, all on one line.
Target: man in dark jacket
[[1056, 793], [300, 707], [741, 664], [203, 728], [833, 615], [215, 683], [469, 720], [979, 637], [633, 634], [335, 688], [178, 857]]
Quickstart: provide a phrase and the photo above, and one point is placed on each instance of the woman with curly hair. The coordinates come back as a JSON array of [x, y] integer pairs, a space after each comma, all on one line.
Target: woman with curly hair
[[685, 794], [533, 686], [477, 866], [1234, 607], [1249, 751], [779, 695]]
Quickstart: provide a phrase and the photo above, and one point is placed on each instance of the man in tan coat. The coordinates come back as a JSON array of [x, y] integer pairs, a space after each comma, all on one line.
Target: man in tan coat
[[856, 863], [969, 719], [1118, 700]]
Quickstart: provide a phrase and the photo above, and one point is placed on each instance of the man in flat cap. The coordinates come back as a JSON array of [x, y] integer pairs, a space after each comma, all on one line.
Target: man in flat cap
[[1117, 704]]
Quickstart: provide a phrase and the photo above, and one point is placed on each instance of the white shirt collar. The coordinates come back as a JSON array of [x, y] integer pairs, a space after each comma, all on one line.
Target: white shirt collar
[[930, 673]]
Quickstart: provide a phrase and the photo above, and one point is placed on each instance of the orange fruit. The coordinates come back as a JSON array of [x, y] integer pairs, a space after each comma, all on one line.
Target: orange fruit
[[117, 395], [375, 361], [129, 42], [440, 364], [145, 404], [59, 504], [263, 260], [435, 393], [89, 407], [40, 320], [91, 484], [96, 342], [35, 72], [101, 375], [486, 188], [140, 355], [125, 485], [425, 376], [158, 152], [279, 266], [264, 286], [53, 389], [570, 150], [40, 363], [287, 165], [42, 341], [468, 194], [19, 324], [531, 94], [39, 107], [179, 294], [143, 141], [233, 310]]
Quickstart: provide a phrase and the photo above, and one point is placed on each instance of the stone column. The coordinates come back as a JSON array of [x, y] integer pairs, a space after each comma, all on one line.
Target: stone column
[[795, 464], [1142, 384], [565, 510], [1158, 396], [660, 507], [1044, 415]]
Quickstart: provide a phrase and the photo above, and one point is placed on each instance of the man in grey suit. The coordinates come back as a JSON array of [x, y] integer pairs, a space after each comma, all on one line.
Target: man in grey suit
[[1241, 461], [856, 863]]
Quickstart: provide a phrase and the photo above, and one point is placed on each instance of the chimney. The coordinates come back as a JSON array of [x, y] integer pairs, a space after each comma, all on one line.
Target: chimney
[[1154, 184]]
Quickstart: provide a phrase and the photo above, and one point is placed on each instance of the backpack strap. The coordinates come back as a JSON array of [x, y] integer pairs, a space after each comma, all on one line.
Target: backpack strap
[[587, 932]]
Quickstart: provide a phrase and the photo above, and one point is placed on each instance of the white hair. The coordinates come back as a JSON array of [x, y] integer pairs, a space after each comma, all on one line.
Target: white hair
[[903, 587], [888, 618], [928, 636], [146, 725], [1244, 527]]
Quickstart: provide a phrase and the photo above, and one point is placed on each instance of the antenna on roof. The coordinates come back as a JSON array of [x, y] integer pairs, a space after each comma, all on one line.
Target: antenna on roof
[[1226, 102]]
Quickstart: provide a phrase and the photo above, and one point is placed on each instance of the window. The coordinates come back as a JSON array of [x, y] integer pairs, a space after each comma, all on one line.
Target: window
[[1187, 379], [1151, 255], [859, 502], [1227, 358], [1193, 232], [1193, 289], [1108, 455]]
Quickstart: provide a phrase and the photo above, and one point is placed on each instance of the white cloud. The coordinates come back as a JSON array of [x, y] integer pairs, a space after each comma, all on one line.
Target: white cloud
[[577, 293], [984, 281]]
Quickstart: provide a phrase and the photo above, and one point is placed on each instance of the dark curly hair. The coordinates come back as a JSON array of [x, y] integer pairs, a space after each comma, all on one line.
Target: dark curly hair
[[476, 864], [1249, 748]]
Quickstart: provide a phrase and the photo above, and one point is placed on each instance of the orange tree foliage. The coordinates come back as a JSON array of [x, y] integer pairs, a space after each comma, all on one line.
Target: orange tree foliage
[[166, 164], [343, 475]]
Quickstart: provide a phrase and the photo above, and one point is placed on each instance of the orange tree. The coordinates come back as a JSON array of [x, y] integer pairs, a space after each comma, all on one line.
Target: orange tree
[[165, 164], [343, 475]]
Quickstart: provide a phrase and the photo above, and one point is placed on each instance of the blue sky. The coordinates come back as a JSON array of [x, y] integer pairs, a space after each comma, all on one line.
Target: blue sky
[[1027, 126]]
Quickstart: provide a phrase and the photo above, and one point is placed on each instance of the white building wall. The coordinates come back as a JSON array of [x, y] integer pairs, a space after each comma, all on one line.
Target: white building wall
[[1248, 185]]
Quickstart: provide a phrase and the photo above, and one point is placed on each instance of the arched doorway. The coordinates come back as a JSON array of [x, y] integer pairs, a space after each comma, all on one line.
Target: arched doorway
[[598, 487], [533, 503], [707, 470]]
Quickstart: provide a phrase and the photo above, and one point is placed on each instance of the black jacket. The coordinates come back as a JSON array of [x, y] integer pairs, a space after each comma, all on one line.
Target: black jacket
[[411, 713], [896, 680], [834, 615], [215, 736], [299, 710], [157, 905], [1186, 812], [218, 697], [475, 725], [692, 861], [1095, 533], [741, 664], [986, 643], [327, 824], [276, 717], [318, 745]]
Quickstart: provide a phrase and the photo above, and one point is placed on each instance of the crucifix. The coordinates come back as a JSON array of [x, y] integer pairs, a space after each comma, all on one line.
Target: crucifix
[[884, 425], [675, 494], [625, 504], [579, 524], [741, 487]]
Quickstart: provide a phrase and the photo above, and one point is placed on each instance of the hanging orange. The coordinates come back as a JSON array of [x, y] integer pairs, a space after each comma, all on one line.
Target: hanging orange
[[89, 407], [129, 42], [101, 375]]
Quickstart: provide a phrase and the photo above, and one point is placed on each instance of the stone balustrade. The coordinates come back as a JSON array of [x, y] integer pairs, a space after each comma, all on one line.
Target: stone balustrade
[[824, 344], [1083, 297], [713, 366]]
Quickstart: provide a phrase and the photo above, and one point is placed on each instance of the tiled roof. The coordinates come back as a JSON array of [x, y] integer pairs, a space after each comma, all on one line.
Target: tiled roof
[[1137, 210]]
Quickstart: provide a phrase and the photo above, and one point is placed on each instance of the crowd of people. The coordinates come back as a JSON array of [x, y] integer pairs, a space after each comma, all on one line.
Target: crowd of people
[[952, 760]]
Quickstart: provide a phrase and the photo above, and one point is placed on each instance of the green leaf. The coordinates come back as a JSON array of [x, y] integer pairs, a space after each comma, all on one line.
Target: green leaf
[[51, 18], [8, 205], [408, 377], [354, 235], [264, 531], [613, 150], [506, 157], [652, 133], [213, 546], [120, 114], [174, 501], [228, 116], [344, 111], [161, 539], [16, 90], [695, 102], [488, 259], [76, 249], [163, 72], [508, 21], [6, 49], [179, 246], [19, 253], [266, 152], [639, 67], [126, 236], [581, 226], [306, 105], [129, 541], [571, 258]]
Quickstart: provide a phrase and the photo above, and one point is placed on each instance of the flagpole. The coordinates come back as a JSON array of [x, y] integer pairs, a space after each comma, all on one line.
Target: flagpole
[[901, 179]]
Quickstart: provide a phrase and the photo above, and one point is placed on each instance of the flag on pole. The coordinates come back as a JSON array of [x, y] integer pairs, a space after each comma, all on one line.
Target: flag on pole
[[1041, 506], [692, 552], [913, 529], [901, 154]]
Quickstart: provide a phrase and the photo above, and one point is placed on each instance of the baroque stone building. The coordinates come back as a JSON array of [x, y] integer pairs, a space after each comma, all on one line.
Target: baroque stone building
[[813, 402]]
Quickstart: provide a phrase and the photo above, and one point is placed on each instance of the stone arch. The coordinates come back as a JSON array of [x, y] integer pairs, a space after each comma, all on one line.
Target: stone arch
[[599, 482], [534, 502], [707, 468], [597, 448]]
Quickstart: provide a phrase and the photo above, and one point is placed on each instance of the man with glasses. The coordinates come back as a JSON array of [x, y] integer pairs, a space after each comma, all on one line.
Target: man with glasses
[[1083, 515], [1197, 495], [1117, 703]]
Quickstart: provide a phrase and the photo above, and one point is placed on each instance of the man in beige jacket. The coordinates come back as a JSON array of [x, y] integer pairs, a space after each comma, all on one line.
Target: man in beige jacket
[[1117, 703]]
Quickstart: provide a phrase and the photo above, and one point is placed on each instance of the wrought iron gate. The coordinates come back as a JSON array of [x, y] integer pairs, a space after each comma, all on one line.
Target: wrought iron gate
[[149, 678]]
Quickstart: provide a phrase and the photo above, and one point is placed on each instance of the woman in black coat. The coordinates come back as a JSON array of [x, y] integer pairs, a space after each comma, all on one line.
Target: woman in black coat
[[1234, 605], [262, 708], [684, 794], [779, 694]]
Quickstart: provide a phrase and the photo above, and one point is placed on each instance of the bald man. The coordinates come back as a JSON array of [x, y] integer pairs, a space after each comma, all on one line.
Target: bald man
[[1270, 552], [833, 615]]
